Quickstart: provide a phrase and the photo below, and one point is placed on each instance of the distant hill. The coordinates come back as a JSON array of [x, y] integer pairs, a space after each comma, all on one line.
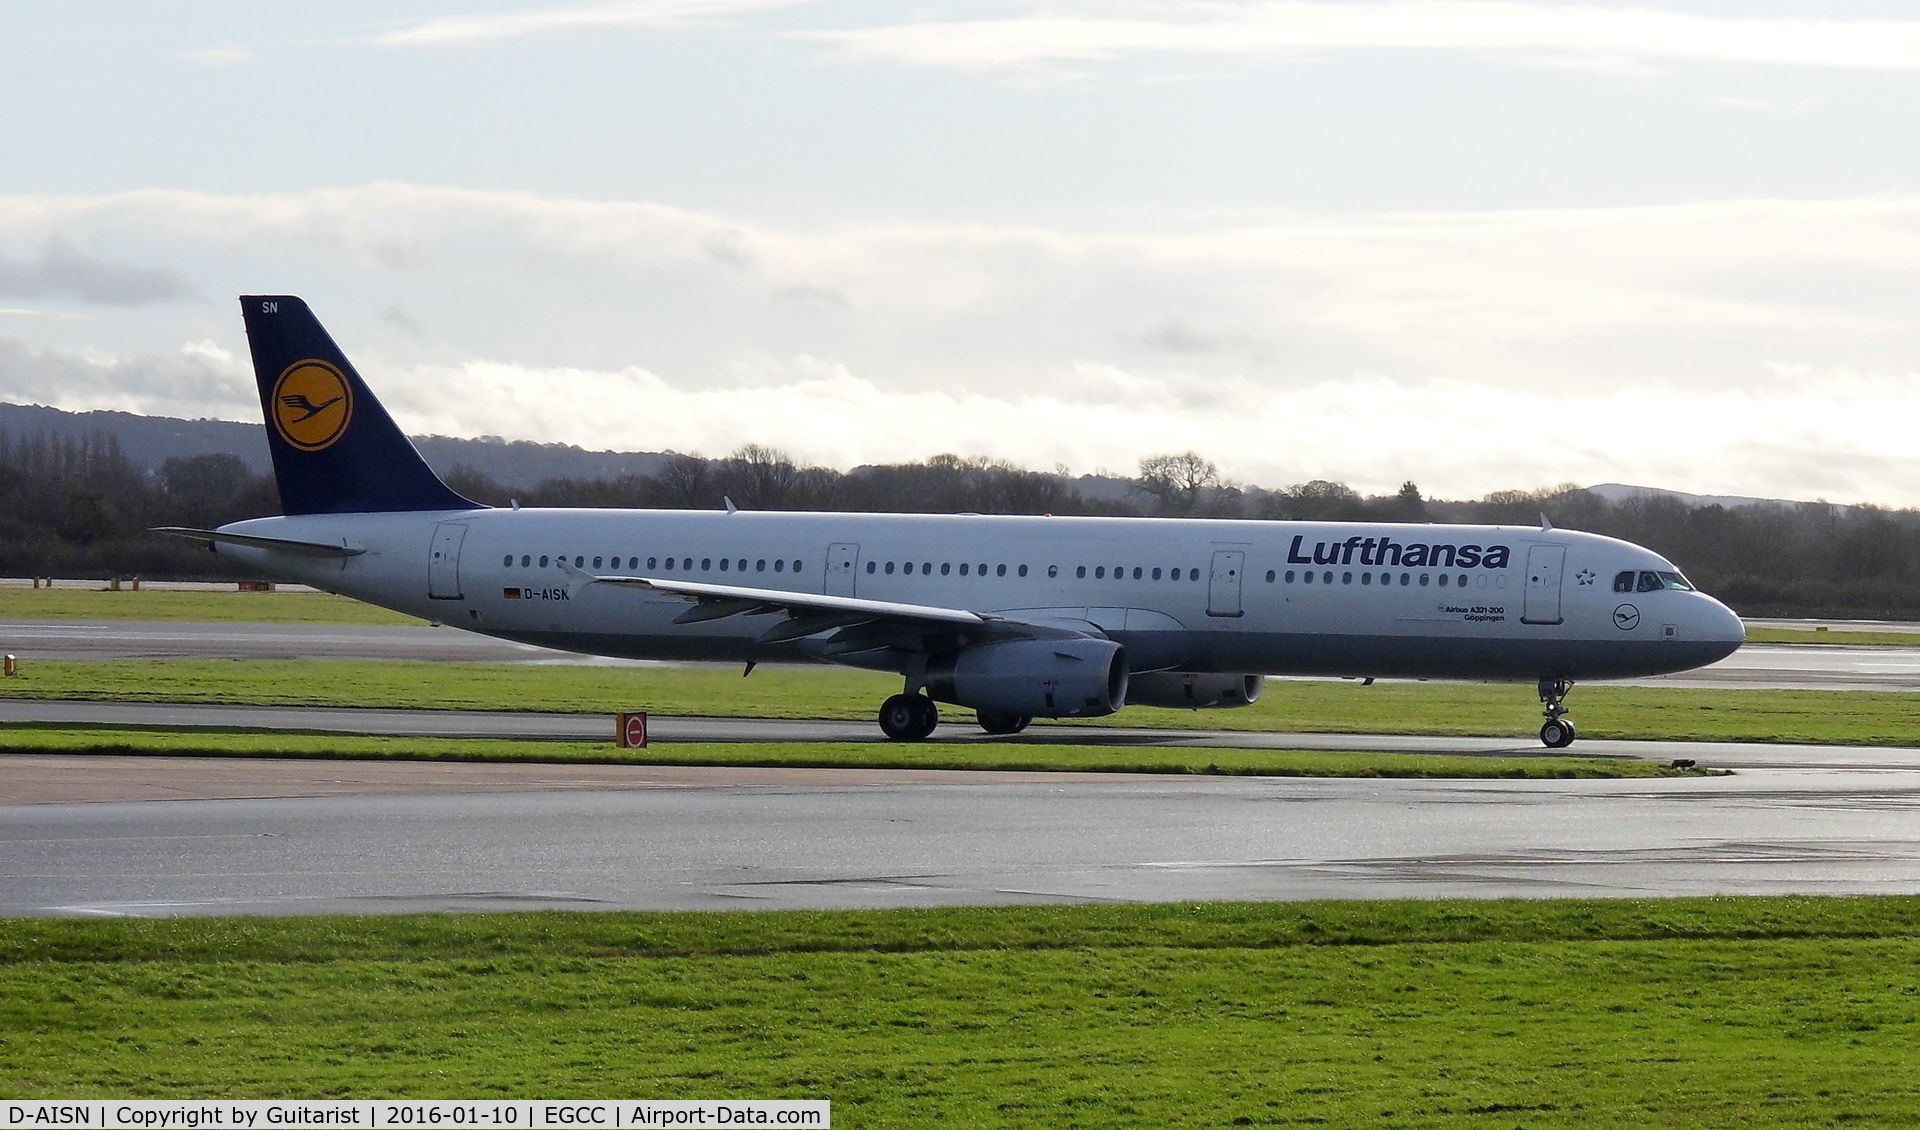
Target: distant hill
[[1621, 492], [149, 441]]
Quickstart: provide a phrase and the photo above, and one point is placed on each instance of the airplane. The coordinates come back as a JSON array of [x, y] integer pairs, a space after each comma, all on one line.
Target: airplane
[[1014, 617]]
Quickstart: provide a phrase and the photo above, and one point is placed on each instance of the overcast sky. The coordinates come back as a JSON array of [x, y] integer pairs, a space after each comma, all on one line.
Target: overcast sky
[[1483, 245]]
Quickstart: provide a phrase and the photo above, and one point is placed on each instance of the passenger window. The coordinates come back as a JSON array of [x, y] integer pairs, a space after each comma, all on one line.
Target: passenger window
[[669, 564], [1194, 574], [1346, 578], [946, 568], [1269, 575], [579, 560], [869, 568], [1406, 579], [760, 566], [508, 563], [983, 569], [796, 564], [1366, 578], [926, 568], [1289, 576], [525, 561], [1463, 580], [1443, 580], [1136, 573], [1423, 580], [889, 568], [706, 563], [1650, 582], [1326, 578], [779, 565], [686, 562], [653, 562], [1623, 581], [1309, 578], [1080, 571], [723, 564], [1100, 572], [999, 570], [963, 568], [596, 563], [1156, 572], [543, 561]]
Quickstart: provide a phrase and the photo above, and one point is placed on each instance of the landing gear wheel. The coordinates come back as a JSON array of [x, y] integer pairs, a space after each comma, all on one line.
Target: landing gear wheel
[[995, 723], [925, 716], [1558, 733], [899, 718]]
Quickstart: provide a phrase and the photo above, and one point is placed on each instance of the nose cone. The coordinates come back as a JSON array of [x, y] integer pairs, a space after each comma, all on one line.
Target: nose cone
[[1720, 627]]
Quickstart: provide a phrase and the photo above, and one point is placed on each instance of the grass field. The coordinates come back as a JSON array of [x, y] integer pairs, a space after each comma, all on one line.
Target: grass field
[[31, 738], [93, 602], [1833, 638], [1845, 717], [1721, 1012]]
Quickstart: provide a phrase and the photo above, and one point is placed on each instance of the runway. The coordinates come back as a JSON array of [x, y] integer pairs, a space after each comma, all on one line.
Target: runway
[[610, 837], [166, 836]]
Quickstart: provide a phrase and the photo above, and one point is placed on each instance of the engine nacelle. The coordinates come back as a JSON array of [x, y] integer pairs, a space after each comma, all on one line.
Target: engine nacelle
[[1082, 678], [1185, 690]]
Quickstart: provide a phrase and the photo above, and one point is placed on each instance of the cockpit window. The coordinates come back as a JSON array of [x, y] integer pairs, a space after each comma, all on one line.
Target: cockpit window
[[1649, 582], [1623, 581], [1676, 581]]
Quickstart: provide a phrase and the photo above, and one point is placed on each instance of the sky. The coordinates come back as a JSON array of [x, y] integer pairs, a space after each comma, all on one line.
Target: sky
[[1480, 244]]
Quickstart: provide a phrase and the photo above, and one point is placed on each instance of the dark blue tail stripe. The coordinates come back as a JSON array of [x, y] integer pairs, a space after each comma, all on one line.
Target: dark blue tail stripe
[[335, 449]]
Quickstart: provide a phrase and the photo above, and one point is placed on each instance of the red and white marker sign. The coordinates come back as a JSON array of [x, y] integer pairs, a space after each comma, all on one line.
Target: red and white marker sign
[[632, 731]]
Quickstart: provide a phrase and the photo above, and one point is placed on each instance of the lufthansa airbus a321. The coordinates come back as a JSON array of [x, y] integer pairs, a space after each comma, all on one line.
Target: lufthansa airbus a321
[[1014, 617]]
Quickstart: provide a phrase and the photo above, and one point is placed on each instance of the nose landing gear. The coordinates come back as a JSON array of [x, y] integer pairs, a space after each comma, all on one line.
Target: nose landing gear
[[1558, 731]]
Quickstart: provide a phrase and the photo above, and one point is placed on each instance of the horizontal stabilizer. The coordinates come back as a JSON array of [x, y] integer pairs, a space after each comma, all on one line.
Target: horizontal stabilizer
[[254, 541]]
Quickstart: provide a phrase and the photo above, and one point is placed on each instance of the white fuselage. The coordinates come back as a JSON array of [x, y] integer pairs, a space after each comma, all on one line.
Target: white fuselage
[[1359, 599]]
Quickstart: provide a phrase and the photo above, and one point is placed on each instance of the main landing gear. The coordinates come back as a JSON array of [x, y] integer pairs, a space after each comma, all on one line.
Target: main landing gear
[[1558, 731], [908, 717], [994, 723]]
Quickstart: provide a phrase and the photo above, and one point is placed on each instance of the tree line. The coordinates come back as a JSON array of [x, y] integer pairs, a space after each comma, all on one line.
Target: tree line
[[79, 508]]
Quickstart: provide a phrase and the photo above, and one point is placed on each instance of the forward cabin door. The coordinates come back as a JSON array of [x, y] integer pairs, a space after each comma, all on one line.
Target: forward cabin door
[[1223, 583], [1542, 601], [443, 561], [842, 556]]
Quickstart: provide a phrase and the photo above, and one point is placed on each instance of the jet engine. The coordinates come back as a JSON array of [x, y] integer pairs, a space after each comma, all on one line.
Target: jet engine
[[1083, 678], [1186, 690]]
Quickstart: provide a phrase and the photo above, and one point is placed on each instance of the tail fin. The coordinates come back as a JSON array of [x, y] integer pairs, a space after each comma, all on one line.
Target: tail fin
[[335, 449]]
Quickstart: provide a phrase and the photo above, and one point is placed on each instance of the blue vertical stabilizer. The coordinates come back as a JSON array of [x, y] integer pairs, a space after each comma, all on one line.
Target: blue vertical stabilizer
[[335, 449]]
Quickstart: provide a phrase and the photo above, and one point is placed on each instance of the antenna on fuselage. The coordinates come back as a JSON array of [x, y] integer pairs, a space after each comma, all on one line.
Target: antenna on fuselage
[[731, 508], [1545, 525]]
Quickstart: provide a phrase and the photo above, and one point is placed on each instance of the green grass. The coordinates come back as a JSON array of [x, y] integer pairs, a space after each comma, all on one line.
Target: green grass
[[90, 600], [1721, 1012], [1833, 638], [1833, 717], [31, 738]]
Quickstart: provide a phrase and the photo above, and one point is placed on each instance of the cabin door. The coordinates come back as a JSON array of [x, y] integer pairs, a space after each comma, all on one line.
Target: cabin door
[[1223, 582], [1542, 600], [842, 556], [443, 561]]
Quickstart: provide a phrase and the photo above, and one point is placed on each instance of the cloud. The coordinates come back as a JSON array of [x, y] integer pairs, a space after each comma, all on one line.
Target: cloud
[[1733, 347], [62, 270], [1302, 29], [496, 27], [1772, 107]]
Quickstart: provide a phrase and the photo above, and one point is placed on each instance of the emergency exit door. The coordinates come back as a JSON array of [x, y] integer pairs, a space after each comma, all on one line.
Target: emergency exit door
[[842, 557]]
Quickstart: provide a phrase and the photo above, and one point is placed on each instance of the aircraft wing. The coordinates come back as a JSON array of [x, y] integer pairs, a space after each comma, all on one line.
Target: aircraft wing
[[807, 614]]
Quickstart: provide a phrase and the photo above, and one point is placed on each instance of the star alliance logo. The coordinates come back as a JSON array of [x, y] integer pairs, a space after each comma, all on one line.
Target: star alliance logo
[[1584, 576]]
